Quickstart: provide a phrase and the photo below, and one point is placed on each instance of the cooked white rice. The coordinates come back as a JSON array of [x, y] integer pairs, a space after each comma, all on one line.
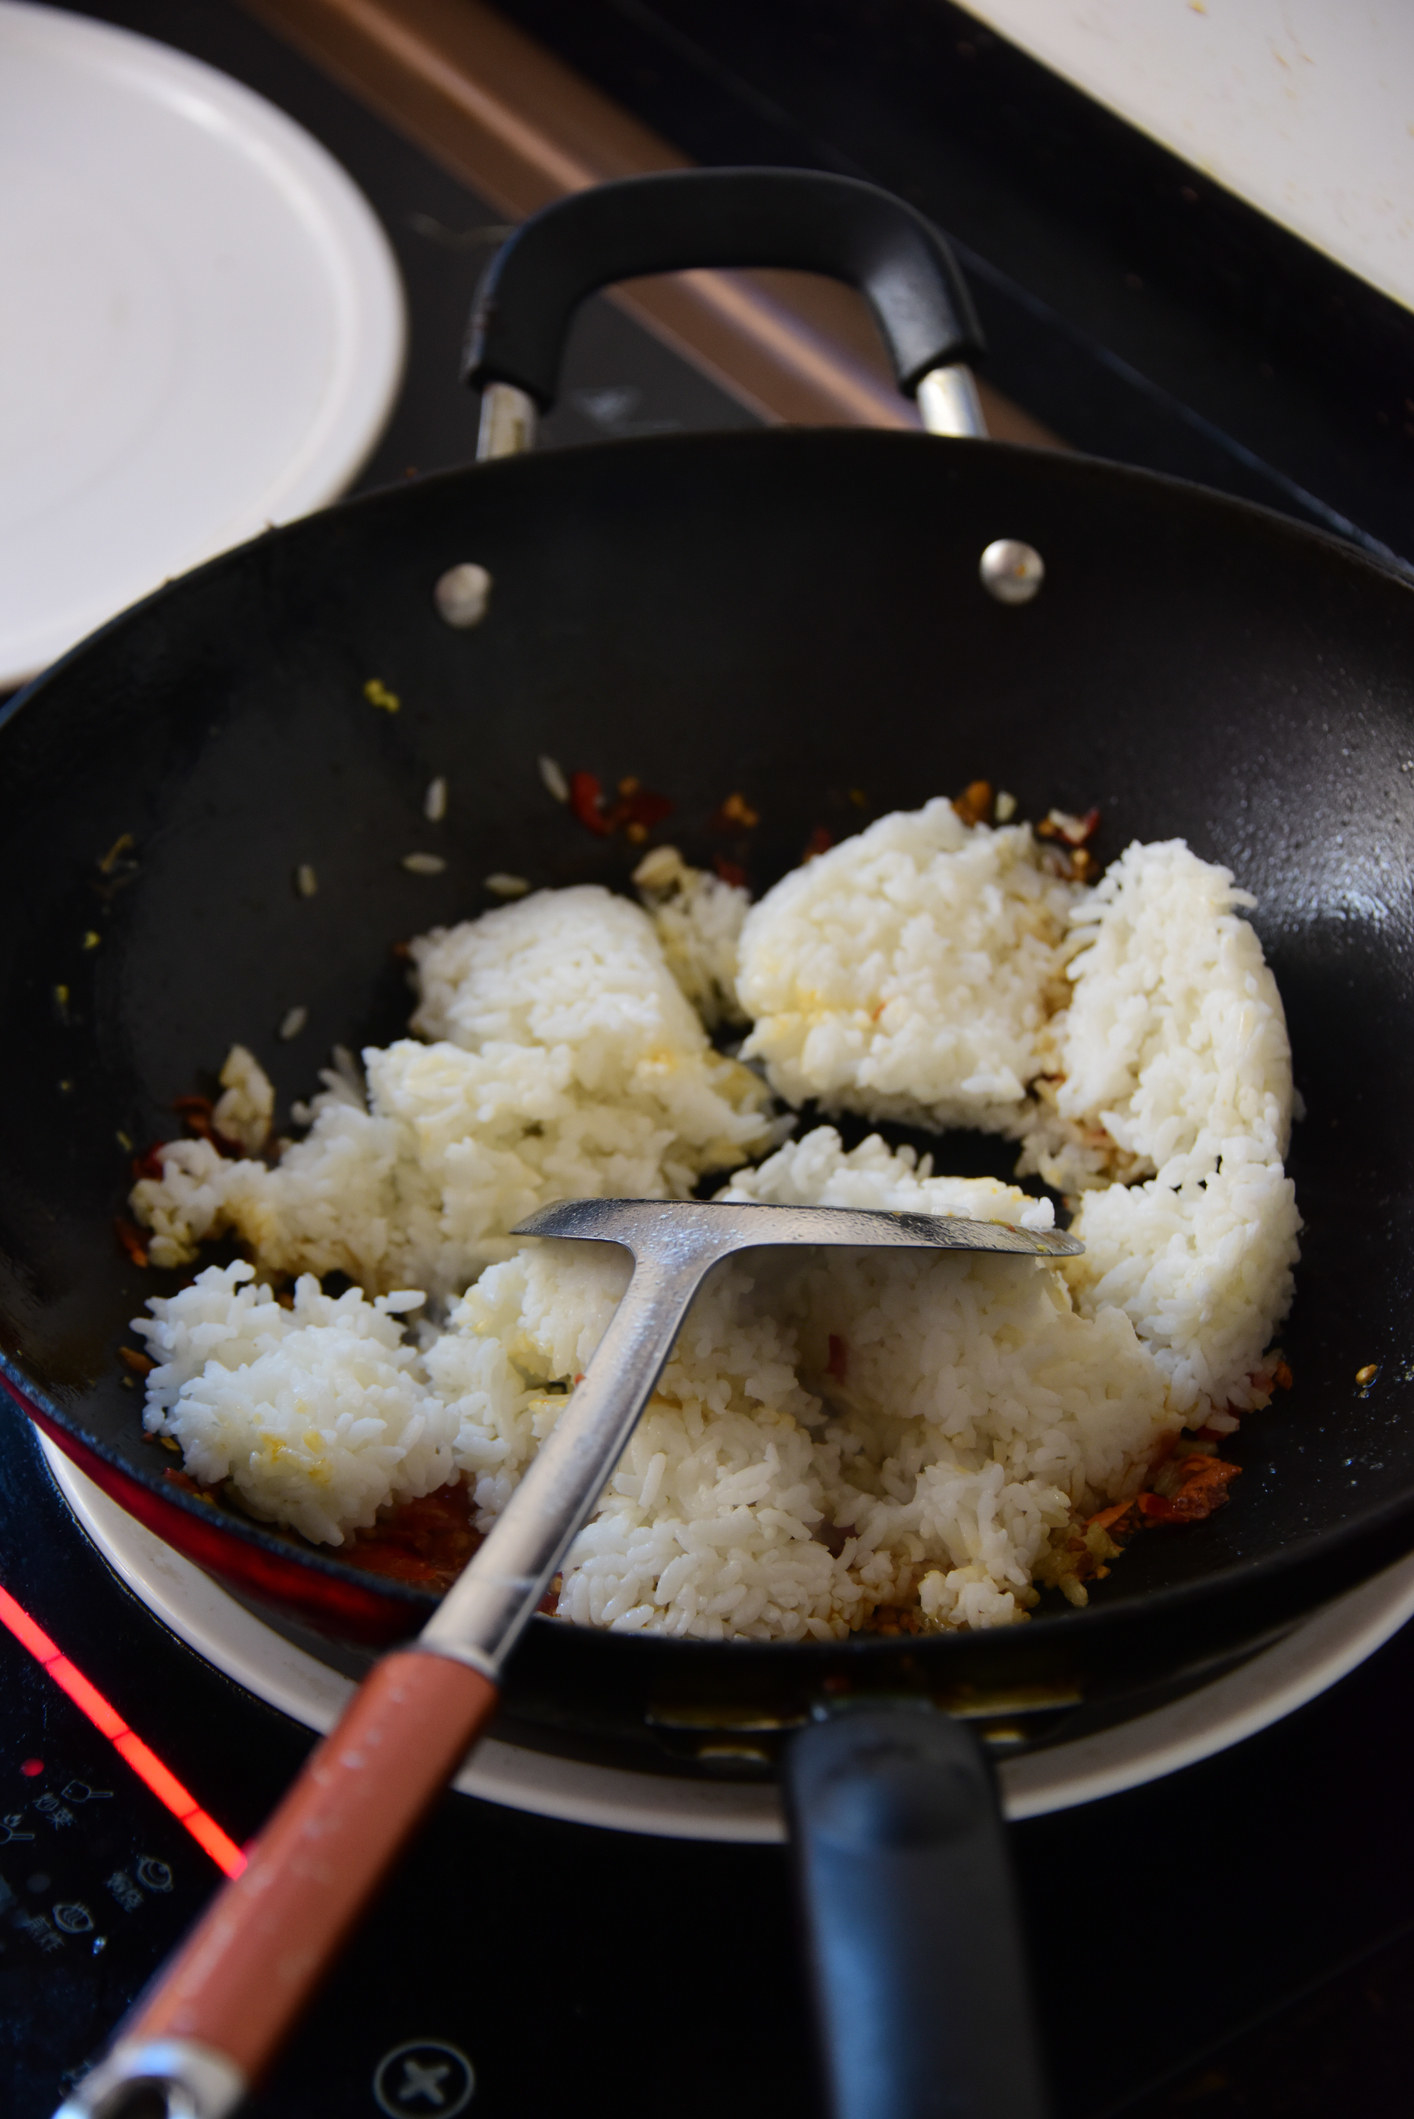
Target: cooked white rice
[[836, 1435], [909, 973], [317, 1414], [698, 920], [1172, 1053], [564, 1063]]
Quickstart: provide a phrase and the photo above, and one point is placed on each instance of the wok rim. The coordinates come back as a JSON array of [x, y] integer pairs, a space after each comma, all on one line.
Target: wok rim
[[1387, 1529]]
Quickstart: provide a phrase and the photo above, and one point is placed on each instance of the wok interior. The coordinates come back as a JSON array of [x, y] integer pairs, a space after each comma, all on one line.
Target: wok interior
[[792, 615]]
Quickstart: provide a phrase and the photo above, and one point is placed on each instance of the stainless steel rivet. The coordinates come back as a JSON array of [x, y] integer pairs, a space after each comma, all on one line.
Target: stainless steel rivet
[[1011, 571], [463, 594]]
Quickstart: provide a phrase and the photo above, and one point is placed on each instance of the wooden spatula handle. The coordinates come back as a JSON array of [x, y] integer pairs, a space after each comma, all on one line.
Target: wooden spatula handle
[[247, 1969]]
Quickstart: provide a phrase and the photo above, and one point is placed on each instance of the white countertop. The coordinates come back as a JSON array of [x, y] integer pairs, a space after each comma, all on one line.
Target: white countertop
[[1304, 108]]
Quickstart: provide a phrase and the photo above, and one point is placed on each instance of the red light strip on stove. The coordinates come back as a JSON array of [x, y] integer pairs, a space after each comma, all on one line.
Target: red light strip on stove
[[135, 1753]]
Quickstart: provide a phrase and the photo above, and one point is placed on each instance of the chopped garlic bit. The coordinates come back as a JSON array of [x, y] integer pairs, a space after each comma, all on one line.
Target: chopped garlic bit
[[504, 886], [434, 802], [306, 881], [423, 864], [663, 869], [293, 1023], [1006, 806], [555, 781]]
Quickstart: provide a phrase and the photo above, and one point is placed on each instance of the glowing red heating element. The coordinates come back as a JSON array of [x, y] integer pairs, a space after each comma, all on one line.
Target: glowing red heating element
[[107, 1720]]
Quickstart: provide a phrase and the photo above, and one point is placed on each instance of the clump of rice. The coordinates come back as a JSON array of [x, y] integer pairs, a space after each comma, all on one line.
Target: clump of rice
[[698, 920], [318, 1415], [1173, 1048], [562, 1061], [910, 972], [836, 1435], [976, 1411], [1173, 1059]]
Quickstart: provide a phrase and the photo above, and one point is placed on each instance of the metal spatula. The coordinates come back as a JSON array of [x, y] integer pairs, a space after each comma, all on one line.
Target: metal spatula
[[215, 2016]]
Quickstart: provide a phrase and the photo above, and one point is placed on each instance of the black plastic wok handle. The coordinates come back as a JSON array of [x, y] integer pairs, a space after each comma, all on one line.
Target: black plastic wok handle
[[683, 219], [915, 1947]]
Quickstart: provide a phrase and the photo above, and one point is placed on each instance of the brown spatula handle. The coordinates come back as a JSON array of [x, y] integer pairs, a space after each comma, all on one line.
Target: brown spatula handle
[[247, 1969]]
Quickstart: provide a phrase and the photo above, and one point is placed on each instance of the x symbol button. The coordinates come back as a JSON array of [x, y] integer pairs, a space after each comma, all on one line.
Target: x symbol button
[[426, 2077]]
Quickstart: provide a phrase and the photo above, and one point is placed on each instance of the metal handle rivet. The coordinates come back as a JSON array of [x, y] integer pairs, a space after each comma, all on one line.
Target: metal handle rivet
[[462, 594], [1011, 571]]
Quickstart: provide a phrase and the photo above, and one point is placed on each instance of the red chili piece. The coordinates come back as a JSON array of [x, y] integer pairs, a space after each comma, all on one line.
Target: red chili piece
[[1205, 1481], [585, 796], [635, 812], [426, 1541]]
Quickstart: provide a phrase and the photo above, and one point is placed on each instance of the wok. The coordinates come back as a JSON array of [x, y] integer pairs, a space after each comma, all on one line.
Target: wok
[[796, 615]]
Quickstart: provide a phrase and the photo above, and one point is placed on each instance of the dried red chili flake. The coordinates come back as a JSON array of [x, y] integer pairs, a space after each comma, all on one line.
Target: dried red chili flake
[[149, 1164], [130, 1237], [730, 871], [639, 809], [838, 1363], [635, 812], [820, 841], [422, 1541], [426, 1541], [585, 797], [140, 1364], [1202, 1487]]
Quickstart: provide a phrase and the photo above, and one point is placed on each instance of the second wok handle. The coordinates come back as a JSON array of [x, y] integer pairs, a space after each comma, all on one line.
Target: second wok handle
[[221, 2007], [914, 1941], [677, 220]]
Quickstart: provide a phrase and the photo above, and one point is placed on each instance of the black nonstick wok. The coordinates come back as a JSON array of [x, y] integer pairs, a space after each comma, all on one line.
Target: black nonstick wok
[[798, 616]]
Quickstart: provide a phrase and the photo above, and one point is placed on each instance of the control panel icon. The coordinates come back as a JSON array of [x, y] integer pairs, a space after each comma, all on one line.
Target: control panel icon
[[425, 2076]]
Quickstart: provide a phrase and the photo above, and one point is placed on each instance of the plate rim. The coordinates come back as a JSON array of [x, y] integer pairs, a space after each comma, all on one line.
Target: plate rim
[[361, 271]]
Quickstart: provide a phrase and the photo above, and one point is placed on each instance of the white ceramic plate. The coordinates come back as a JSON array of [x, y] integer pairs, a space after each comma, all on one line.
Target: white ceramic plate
[[201, 330], [1308, 1660]]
